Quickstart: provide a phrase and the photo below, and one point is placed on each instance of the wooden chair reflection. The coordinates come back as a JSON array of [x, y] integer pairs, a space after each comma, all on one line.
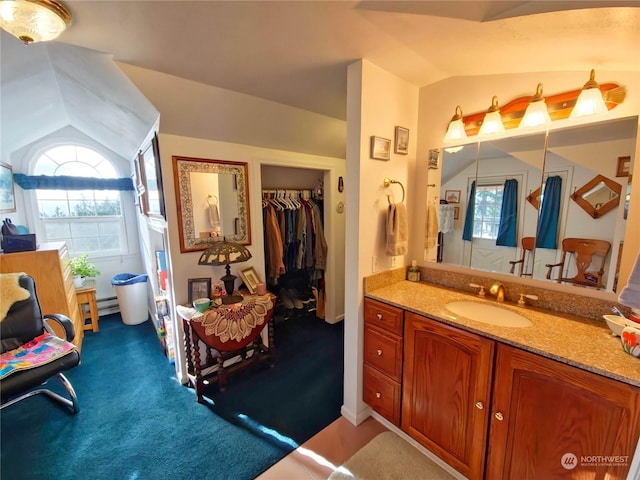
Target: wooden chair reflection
[[584, 250], [526, 260]]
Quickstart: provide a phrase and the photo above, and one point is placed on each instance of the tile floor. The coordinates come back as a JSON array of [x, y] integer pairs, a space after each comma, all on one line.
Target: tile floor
[[323, 453]]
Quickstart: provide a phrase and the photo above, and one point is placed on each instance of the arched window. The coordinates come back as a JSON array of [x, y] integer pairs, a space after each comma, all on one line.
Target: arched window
[[90, 221]]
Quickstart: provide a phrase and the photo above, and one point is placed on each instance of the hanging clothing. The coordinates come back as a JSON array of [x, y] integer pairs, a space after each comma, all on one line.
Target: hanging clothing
[[273, 244]]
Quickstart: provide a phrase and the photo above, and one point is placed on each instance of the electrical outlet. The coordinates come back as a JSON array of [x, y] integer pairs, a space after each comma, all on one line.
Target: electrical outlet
[[374, 265], [394, 261]]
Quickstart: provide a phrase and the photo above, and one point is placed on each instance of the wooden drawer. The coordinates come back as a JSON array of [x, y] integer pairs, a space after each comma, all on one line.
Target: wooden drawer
[[383, 351], [382, 394], [383, 315]]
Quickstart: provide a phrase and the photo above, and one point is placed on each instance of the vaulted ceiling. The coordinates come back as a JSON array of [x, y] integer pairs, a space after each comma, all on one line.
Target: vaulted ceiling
[[296, 52]]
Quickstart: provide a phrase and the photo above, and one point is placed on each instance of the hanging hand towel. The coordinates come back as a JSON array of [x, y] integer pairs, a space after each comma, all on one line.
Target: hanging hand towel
[[431, 234], [214, 218], [630, 295], [397, 230], [445, 219]]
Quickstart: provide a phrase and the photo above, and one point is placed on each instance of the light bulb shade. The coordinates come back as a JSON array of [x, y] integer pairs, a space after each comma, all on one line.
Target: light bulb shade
[[535, 115], [224, 253], [492, 124], [455, 132], [34, 20], [590, 102]]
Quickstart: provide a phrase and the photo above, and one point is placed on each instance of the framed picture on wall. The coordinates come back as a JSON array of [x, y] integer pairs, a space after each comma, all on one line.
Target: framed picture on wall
[[624, 166], [380, 148], [199, 288], [152, 175], [433, 158], [7, 193], [456, 213], [401, 144], [452, 196]]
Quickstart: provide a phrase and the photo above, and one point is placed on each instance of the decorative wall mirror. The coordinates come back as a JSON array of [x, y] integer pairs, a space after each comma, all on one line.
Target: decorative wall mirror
[[212, 199], [598, 196]]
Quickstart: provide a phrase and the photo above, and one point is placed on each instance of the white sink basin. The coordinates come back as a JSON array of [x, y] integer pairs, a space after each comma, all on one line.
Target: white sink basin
[[486, 313]]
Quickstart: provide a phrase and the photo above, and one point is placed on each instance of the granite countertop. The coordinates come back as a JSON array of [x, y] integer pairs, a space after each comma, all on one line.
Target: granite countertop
[[573, 340]]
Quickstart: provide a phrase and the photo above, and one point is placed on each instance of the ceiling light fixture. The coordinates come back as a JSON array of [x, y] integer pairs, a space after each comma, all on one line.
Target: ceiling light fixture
[[590, 101], [455, 132], [34, 20], [537, 113], [492, 122]]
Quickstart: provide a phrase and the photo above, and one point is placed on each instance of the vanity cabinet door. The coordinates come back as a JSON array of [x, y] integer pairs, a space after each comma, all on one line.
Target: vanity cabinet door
[[552, 420], [446, 391]]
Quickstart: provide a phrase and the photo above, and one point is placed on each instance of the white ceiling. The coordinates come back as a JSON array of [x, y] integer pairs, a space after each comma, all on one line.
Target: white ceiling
[[296, 52]]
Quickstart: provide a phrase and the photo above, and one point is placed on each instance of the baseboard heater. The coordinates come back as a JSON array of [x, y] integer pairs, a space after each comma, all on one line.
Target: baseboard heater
[[107, 305]]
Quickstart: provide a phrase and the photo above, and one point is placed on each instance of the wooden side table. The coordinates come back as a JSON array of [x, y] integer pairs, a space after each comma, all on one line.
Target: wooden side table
[[87, 295], [242, 341]]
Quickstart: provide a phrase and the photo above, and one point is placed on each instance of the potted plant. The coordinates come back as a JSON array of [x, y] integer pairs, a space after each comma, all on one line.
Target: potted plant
[[81, 268]]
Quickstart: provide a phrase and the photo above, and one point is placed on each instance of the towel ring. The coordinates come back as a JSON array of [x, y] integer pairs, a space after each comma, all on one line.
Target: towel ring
[[211, 198], [387, 182]]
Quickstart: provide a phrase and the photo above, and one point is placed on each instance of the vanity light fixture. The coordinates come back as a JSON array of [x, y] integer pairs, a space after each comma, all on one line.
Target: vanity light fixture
[[34, 20], [455, 132], [590, 101], [492, 122], [536, 113]]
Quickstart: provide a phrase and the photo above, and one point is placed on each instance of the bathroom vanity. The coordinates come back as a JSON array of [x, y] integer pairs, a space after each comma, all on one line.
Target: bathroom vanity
[[501, 402]]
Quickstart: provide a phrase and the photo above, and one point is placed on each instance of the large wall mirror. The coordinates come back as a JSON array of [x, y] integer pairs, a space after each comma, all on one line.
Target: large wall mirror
[[212, 199], [511, 228]]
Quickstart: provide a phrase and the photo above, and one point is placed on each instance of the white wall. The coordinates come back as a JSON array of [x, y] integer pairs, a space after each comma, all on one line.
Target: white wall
[[377, 102], [196, 110]]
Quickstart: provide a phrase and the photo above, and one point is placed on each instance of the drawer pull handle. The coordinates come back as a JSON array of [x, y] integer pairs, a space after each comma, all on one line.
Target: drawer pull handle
[[379, 316], [379, 352], [479, 405], [378, 395], [499, 416]]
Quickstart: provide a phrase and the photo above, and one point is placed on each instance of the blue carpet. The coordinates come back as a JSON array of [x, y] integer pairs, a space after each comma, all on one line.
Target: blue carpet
[[136, 422]]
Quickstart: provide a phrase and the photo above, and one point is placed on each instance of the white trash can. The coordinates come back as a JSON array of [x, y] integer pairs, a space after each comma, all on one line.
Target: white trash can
[[131, 291]]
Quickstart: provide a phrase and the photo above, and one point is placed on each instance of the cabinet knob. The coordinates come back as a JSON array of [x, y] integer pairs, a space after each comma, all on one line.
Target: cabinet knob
[[379, 316], [499, 416], [378, 395], [379, 352], [479, 405]]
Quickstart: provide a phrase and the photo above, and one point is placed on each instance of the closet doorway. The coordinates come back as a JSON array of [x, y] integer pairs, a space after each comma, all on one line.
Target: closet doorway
[[295, 241]]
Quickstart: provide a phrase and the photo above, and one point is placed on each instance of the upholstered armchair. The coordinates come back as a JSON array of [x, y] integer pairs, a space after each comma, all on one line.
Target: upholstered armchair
[[31, 354]]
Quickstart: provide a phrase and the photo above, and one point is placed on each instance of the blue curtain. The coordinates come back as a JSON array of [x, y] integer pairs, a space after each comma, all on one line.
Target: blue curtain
[[508, 228], [549, 212], [467, 233], [62, 182]]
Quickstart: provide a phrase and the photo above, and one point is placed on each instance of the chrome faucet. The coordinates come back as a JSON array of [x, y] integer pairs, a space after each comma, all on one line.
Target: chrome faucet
[[497, 289]]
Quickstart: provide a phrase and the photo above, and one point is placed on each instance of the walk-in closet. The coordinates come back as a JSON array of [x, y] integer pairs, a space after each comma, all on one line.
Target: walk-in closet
[[295, 244]]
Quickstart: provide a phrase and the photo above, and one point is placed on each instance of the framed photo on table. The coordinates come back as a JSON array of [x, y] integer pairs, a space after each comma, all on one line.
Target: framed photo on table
[[251, 279], [199, 288]]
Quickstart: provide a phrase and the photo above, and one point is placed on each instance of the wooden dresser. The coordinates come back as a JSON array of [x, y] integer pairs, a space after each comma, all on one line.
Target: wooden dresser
[[49, 266]]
